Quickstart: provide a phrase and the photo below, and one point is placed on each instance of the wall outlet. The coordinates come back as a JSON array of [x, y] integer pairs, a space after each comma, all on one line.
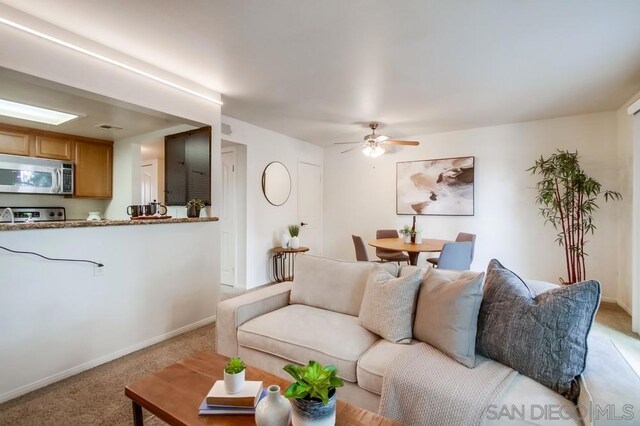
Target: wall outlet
[[98, 270]]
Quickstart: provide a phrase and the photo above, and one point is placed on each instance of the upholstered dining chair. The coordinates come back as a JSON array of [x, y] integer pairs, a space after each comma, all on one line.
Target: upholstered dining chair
[[462, 236], [456, 256], [386, 254], [361, 249]]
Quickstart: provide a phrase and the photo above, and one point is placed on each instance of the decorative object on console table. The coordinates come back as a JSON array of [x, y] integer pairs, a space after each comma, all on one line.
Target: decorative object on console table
[[284, 262], [567, 197], [435, 187], [274, 410], [284, 240], [313, 394], [234, 375], [294, 231], [194, 206]]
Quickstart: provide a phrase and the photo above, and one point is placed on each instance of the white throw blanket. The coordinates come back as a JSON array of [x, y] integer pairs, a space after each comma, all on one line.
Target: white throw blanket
[[423, 386]]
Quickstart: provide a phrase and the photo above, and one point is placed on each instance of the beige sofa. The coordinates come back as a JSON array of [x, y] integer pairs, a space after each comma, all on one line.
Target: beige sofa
[[271, 327]]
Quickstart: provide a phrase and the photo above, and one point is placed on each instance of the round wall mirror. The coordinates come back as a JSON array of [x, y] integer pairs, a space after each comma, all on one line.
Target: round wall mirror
[[276, 183]]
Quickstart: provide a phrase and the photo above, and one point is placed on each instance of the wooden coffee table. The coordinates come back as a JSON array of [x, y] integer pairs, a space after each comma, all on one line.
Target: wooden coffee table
[[174, 394]]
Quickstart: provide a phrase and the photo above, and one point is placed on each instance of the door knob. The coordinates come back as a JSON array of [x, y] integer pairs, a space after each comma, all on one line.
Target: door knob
[[303, 223]]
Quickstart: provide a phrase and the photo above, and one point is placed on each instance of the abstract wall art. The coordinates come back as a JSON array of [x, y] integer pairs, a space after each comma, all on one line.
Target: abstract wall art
[[435, 187]]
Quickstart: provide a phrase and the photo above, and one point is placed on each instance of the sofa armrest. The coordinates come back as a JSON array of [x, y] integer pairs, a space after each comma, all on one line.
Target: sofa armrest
[[610, 388], [234, 312]]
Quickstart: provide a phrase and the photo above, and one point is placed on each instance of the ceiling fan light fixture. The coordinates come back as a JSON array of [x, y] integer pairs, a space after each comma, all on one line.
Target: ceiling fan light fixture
[[373, 151]]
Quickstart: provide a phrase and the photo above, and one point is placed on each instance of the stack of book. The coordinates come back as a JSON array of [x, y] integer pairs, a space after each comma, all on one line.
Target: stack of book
[[218, 401]]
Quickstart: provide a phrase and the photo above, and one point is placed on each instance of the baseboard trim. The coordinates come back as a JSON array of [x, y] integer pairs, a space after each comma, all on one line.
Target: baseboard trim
[[609, 299], [101, 360], [624, 306]]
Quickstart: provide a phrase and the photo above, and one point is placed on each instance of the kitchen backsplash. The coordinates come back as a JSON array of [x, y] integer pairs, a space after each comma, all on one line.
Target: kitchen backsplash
[[75, 208]]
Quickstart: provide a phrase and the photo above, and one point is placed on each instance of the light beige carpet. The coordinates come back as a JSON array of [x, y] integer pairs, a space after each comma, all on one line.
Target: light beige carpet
[[96, 396]]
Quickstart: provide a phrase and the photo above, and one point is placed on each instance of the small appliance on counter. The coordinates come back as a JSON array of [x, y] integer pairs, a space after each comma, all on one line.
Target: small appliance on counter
[[35, 214]]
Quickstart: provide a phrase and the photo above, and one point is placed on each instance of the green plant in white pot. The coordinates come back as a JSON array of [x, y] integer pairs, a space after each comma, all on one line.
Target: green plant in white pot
[[294, 231], [406, 233], [313, 394], [234, 375]]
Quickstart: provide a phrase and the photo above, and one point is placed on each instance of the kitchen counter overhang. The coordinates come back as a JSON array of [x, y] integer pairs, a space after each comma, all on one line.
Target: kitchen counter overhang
[[99, 223]]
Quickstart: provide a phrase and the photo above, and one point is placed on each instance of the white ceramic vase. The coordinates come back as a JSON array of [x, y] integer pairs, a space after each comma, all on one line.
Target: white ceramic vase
[[418, 237], [294, 243], [284, 240], [407, 239], [94, 216], [233, 383], [274, 409]]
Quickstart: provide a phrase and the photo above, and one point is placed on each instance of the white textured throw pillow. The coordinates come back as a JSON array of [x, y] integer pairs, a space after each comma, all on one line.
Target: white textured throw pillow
[[389, 303]]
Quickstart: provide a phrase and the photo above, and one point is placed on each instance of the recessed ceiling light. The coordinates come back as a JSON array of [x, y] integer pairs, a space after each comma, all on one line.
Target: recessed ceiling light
[[33, 113]]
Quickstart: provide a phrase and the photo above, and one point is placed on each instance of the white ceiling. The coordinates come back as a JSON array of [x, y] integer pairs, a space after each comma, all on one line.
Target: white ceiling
[[93, 110], [319, 70]]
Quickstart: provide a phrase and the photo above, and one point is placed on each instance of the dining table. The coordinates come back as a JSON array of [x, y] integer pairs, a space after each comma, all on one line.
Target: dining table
[[413, 249]]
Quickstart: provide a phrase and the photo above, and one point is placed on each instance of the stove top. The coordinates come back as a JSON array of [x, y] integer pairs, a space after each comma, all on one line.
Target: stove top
[[37, 214]]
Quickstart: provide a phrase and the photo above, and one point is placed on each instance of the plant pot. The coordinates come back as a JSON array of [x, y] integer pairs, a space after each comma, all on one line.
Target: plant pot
[[233, 383], [407, 239], [284, 240], [294, 243], [193, 211], [313, 412], [274, 409]]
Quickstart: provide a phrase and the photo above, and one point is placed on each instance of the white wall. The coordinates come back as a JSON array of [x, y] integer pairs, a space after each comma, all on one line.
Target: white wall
[[59, 319], [265, 222], [360, 195], [625, 207], [180, 288]]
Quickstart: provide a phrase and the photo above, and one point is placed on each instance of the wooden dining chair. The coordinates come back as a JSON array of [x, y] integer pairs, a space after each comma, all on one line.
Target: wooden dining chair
[[361, 249], [462, 236], [456, 256], [386, 254]]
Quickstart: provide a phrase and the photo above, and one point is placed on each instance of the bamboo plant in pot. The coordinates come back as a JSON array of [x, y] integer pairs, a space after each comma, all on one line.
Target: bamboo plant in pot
[[313, 394], [234, 375], [294, 231]]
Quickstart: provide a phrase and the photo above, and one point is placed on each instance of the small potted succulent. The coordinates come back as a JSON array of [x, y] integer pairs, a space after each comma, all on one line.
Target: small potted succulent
[[294, 231], [234, 375], [407, 233], [313, 394], [193, 207]]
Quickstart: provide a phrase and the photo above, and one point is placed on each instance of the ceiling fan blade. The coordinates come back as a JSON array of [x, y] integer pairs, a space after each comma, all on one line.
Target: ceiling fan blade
[[344, 143], [381, 138], [351, 149], [396, 142]]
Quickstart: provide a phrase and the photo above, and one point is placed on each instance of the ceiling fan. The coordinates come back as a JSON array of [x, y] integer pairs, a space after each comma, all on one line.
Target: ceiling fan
[[374, 145]]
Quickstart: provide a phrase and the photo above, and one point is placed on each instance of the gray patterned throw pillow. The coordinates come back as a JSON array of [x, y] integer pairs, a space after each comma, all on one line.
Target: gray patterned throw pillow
[[543, 337]]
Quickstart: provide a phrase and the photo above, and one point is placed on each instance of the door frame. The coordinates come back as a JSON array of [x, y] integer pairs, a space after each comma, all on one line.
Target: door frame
[[231, 150]]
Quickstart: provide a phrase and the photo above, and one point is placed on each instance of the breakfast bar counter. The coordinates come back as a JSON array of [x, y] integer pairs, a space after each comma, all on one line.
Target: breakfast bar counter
[[99, 223]]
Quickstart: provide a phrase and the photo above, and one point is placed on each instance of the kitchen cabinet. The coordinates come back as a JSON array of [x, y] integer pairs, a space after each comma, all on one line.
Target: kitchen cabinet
[[54, 147], [188, 166], [93, 169], [14, 142]]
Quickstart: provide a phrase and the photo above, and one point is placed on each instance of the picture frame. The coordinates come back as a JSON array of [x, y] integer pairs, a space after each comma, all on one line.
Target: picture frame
[[436, 187]]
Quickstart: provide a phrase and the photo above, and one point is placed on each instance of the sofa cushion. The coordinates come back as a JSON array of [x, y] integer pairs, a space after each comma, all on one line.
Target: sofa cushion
[[372, 365], [447, 312], [513, 325], [389, 304], [332, 284], [301, 333]]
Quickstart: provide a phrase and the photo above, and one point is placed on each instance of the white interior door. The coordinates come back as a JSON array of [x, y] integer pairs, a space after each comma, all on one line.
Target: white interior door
[[149, 181], [228, 218], [310, 206]]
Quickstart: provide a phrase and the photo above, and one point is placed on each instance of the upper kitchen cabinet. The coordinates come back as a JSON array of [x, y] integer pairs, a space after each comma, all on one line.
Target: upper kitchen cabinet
[[14, 142], [188, 166], [59, 148], [93, 169]]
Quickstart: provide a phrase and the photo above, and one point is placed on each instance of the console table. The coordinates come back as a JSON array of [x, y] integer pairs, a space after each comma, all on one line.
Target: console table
[[284, 262]]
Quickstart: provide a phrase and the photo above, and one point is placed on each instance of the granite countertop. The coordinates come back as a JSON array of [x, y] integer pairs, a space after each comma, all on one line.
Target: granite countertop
[[100, 223]]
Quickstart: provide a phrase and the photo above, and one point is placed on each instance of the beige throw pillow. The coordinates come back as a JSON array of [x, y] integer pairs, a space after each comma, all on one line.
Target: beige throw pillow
[[389, 303], [447, 312]]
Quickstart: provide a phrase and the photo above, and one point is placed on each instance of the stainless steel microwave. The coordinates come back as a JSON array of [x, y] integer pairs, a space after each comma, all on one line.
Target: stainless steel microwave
[[35, 175]]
